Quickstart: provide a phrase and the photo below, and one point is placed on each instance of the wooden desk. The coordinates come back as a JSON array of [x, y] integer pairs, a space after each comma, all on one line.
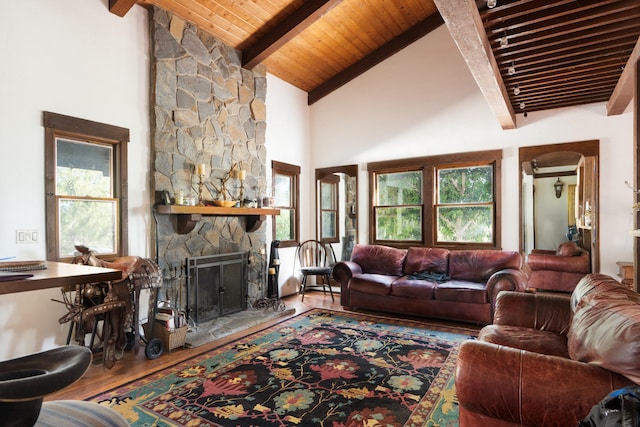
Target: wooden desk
[[59, 274]]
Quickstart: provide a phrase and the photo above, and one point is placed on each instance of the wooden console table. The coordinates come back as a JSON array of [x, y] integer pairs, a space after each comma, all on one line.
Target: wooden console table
[[57, 275]]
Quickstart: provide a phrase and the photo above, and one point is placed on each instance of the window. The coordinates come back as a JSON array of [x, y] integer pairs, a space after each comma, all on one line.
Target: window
[[398, 206], [86, 200], [328, 201], [464, 207], [447, 201], [286, 193]]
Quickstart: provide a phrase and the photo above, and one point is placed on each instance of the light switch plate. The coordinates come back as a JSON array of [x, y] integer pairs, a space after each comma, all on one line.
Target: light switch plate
[[27, 236]]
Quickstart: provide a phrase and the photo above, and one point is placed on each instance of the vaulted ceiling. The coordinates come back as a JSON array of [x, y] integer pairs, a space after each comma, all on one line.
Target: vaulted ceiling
[[525, 55]]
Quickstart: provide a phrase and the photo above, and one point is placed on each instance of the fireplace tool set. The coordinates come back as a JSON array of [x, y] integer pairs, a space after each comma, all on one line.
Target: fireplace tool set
[[272, 300]]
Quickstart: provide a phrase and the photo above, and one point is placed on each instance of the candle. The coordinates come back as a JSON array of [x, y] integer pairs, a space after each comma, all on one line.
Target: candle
[[272, 271], [242, 174], [201, 169]]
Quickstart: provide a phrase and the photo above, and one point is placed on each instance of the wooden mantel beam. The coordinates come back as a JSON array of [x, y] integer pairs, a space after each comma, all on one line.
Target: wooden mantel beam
[[465, 26], [623, 92], [121, 7], [286, 30]]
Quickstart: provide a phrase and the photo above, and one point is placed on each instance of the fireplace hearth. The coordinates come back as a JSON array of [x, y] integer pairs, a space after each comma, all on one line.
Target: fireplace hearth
[[217, 285]]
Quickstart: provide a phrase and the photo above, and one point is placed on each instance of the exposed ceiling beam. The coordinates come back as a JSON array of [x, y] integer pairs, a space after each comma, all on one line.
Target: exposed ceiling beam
[[465, 26], [286, 30], [120, 7], [623, 92], [377, 56]]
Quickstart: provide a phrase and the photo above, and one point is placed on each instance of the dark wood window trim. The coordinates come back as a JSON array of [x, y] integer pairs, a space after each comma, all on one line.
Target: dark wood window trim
[[280, 168], [428, 165], [58, 125], [332, 180]]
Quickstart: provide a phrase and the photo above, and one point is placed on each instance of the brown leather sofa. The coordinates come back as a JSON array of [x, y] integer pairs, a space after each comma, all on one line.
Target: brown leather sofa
[[548, 358], [558, 270], [429, 282]]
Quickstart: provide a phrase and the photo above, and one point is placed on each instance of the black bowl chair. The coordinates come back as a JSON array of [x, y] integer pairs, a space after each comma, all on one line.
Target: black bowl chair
[[316, 259], [25, 381]]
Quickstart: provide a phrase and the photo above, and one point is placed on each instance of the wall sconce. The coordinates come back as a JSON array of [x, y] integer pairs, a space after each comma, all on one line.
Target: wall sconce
[[558, 187]]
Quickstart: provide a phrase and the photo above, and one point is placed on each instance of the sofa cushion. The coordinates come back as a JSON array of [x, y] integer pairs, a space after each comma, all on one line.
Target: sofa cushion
[[378, 259], [568, 249], [462, 291], [377, 284], [605, 329], [426, 259], [412, 288], [524, 338], [479, 265]]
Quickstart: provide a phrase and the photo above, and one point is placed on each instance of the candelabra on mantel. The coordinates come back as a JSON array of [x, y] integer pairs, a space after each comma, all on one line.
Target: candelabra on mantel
[[201, 171], [224, 195], [242, 175]]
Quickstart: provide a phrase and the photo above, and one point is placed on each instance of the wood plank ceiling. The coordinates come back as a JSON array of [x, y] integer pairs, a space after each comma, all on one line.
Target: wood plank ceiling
[[526, 55]]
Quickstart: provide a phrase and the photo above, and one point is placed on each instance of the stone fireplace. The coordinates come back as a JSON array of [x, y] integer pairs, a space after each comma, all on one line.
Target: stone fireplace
[[207, 109]]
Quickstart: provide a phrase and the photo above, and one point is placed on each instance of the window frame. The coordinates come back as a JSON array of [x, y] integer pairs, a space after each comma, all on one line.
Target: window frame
[[333, 181], [293, 172], [429, 165], [437, 204], [376, 207], [75, 129]]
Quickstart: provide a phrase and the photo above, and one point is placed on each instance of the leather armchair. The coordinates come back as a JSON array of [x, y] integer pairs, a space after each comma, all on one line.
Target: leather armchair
[[549, 357], [559, 270]]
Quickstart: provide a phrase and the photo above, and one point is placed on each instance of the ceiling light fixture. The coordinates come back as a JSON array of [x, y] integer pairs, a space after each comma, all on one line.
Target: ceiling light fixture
[[504, 42], [491, 3], [516, 90], [512, 69], [523, 106], [558, 188]]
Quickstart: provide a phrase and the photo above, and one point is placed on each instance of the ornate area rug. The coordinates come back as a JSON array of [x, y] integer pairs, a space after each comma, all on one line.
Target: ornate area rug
[[321, 368]]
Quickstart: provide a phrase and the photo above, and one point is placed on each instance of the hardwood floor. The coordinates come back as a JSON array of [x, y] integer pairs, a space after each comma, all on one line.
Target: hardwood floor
[[133, 366]]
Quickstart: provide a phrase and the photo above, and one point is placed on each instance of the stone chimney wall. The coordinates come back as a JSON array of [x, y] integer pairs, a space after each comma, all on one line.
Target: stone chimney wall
[[210, 110]]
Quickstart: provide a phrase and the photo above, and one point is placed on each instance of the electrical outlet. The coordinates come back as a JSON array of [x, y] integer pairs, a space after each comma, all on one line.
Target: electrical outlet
[[27, 236]]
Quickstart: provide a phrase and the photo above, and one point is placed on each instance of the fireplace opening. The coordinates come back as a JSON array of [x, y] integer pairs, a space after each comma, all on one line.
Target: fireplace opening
[[217, 285]]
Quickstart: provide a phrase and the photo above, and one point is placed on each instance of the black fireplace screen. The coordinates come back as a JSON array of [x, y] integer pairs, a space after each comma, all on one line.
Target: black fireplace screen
[[217, 285]]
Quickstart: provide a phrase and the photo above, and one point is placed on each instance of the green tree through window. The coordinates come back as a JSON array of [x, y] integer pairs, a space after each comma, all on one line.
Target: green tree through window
[[447, 200], [398, 210], [286, 191], [465, 204], [86, 189]]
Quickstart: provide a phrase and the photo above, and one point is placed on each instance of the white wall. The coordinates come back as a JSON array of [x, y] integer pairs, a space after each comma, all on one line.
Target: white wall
[[70, 57], [424, 101], [287, 140]]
